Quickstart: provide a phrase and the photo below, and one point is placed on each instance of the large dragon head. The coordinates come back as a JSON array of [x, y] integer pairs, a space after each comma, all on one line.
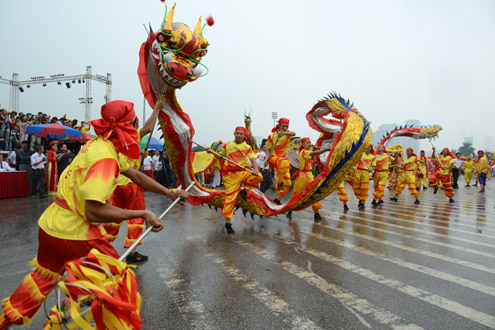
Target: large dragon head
[[177, 51]]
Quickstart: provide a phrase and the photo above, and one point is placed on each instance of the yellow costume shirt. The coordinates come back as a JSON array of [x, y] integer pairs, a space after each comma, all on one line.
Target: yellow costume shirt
[[91, 176], [282, 144], [445, 162], [305, 164], [236, 153]]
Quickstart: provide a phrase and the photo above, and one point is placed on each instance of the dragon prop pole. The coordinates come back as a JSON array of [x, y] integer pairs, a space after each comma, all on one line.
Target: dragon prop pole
[[216, 154], [162, 98], [143, 235]]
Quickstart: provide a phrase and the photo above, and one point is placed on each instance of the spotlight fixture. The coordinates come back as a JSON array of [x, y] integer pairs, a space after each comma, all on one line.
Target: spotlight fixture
[[67, 84], [28, 86], [21, 89], [44, 84], [59, 83], [79, 81], [83, 81], [73, 81]]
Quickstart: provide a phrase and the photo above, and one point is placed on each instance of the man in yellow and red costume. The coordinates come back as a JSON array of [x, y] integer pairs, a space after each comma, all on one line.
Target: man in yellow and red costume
[[469, 166], [234, 176], [70, 227], [278, 144], [305, 174], [361, 180], [380, 165], [128, 195], [410, 167], [445, 161], [421, 173]]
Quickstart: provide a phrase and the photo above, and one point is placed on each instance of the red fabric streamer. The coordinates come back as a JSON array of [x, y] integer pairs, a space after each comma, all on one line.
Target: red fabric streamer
[[115, 125]]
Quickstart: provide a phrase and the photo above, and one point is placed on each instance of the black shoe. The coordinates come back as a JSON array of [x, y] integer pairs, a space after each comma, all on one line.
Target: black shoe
[[456, 187], [374, 204], [135, 257], [475, 185], [43, 196], [317, 217], [417, 202], [467, 185], [289, 214], [435, 190], [228, 227], [394, 199], [361, 205], [425, 188], [280, 186], [243, 194], [481, 191], [276, 201], [346, 208], [451, 200], [380, 202]]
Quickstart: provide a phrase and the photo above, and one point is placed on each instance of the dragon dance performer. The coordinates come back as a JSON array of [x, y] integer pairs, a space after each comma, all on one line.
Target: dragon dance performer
[[128, 195], [52, 169], [482, 169], [70, 227], [421, 173], [305, 174], [278, 145], [361, 180], [442, 173], [234, 176], [380, 165], [408, 177], [395, 170], [469, 167]]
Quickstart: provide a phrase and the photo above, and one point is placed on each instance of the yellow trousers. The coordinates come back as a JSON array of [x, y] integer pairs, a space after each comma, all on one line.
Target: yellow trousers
[[342, 193], [379, 183], [409, 178], [232, 182], [299, 187], [468, 175], [360, 184], [282, 167]]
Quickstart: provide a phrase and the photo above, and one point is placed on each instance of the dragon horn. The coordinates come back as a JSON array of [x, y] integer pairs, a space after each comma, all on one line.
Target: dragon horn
[[170, 16], [197, 30]]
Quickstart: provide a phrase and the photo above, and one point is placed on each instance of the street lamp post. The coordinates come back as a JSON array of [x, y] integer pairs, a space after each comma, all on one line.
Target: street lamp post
[[274, 117]]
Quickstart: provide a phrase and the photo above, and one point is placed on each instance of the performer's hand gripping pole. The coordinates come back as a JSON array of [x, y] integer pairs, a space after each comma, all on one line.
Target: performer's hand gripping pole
[[148, 230], [216, 154]]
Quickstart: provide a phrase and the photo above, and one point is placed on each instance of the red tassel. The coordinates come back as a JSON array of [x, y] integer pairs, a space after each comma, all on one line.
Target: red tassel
[[210, 21], [162, 1]]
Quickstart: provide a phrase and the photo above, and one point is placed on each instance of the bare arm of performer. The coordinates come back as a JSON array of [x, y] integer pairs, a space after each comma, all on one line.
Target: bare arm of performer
[[149, 184], [319, 152], [256, 169], [150, 123], [104, 213]]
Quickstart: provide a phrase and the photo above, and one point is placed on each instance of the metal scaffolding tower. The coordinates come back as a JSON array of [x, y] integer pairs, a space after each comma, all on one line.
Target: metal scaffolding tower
[[16, 86]]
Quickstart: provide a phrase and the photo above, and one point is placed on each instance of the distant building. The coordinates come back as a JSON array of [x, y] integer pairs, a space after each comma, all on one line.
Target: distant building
[[469, 139], [406, 142], [488, 143]]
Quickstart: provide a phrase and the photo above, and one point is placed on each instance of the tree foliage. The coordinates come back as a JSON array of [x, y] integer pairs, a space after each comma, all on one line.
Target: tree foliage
[[466, 149]]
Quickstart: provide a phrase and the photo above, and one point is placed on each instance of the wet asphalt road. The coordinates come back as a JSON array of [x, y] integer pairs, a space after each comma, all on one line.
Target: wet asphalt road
[[402, 265]]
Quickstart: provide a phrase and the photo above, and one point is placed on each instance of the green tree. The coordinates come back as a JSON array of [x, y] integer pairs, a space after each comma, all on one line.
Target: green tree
[[466, 149]]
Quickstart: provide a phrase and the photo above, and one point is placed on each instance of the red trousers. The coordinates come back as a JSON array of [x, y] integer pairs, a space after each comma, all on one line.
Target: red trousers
[[445, 178], [130, 197], [53, 253]]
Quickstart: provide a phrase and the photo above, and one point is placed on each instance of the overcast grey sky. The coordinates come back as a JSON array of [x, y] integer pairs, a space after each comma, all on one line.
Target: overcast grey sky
[[396, 60]]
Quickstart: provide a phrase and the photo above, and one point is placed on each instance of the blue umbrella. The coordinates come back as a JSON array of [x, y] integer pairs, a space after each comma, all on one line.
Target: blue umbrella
[[154, 143], [55, 131]]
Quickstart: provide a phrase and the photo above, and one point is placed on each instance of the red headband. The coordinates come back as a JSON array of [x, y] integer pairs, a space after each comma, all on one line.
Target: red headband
[[245, 131], [302, 142], [115, 125], [281, 121]]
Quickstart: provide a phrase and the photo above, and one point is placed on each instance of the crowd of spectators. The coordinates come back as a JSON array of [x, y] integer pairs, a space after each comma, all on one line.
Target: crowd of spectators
[[13, 127]]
